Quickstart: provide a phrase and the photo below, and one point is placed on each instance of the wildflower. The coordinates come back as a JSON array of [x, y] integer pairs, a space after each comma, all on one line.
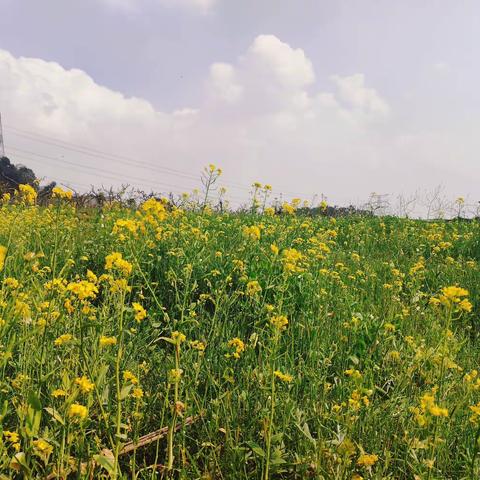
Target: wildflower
[[355, 374], [137, 393], [128, 225], [3, 254], [83, 289], [59, 393], [128, 376], [77, 411], [428, 406], [253, 288], [197, 345], [280, 322], [238, 345], [85, 384], [274, 249], [465, 305], [11, 283], [175, 375], [12, 437], [115, 261], [284, 377], [42, 448], [178, 337], [107, 341], [367, 460], [252, 232], [27, 193], [452, 295], [140, 312], [476, 413], [63, 339], [389, 327], [292, 258], [270, 212], [288, 209], [62, 194]]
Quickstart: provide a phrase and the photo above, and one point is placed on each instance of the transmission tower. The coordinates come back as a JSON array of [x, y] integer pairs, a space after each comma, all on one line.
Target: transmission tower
[[2, 146]]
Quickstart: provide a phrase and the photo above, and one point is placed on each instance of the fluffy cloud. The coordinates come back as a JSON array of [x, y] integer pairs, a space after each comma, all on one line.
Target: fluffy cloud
[[353, 91], [261, 118]]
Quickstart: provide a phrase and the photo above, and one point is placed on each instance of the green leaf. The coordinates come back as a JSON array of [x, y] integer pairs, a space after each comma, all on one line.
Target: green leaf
[[54, 413], [256, 449], [105, 462], [34, 401], [125, 391], [19, 463]]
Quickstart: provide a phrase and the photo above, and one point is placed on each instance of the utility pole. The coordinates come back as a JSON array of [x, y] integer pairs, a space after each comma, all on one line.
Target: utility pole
[[2, 146]]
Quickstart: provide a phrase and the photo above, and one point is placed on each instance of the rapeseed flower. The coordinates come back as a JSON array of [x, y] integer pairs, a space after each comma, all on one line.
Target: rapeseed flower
[[78, 411]]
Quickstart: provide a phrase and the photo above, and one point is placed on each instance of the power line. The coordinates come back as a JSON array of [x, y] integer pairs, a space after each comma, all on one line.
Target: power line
[[85, 150], [105, 174]]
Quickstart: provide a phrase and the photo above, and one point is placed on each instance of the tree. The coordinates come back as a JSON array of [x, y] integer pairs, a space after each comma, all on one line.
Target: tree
[[13, 175]]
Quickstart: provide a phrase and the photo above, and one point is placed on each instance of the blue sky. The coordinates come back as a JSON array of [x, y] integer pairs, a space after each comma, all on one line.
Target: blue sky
[[335, 97]]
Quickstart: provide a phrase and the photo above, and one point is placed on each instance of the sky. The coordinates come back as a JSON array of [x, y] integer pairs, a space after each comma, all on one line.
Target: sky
[[315, 97]]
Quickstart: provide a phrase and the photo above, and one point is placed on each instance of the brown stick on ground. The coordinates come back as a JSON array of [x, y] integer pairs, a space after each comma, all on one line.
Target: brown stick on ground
[[153, 436]]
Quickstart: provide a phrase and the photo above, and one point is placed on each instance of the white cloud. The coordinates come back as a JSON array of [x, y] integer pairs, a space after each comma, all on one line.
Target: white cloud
[[223, 82], [352, 90], [261, 118], [277, 60]]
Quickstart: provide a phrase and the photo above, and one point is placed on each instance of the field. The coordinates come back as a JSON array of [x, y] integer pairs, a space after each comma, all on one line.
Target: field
[[160, 342]]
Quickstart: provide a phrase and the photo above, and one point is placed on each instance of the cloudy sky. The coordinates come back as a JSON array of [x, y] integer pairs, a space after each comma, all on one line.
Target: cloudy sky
[[332, 97]]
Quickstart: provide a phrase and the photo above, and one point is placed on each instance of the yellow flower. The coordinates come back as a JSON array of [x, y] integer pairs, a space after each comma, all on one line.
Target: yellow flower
[[11, 283], [140, 312], [12, 437], [27, 193], [62, 339], [60, 193], [355, 374], [59, 393], [3, 254], [270, 212], [280, 322], [85, 384], [178, 337], [175, 375], [115, 261], [252, 232], [42, 448], [137, 393], [238, 345], [107, 341], [367, 460], [465, 305], [78, 411], [451, 295], [197, 345], [253, 288], [128, 376], [83, 289], [284, 377], [274, 249], [288, 209]]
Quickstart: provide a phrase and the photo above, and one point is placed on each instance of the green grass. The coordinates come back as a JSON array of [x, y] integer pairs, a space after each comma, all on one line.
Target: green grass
[[368, 312]]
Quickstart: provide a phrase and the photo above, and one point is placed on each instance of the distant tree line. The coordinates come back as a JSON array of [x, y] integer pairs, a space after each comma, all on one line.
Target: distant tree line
[[11, 176]]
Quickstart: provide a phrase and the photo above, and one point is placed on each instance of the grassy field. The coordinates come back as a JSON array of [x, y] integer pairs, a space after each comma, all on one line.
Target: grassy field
[[248, 345]]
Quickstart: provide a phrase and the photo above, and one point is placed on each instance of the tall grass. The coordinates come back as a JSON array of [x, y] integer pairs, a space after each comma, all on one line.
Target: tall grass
[[259, 345]]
